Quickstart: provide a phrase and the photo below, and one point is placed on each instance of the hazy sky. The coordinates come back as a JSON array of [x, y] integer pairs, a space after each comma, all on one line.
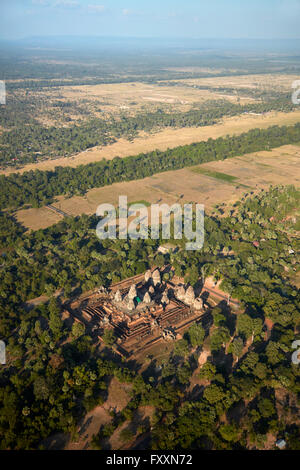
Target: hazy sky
[[151, 18]]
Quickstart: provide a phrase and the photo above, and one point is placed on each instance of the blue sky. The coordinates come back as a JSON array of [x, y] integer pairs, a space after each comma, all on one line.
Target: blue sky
[[151, 18]]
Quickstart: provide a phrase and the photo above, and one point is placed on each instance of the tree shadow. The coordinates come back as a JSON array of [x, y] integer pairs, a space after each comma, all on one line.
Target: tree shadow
[[56, 442], [222, 361], [196, 393], [153, 370], [237, 412], [198, 287], [85, 425]]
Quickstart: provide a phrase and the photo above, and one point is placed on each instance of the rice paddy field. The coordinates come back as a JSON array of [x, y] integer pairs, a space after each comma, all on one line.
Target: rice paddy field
[[209, 184]]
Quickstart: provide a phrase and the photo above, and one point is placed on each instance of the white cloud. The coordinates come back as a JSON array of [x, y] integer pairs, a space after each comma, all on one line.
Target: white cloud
[[96, 8], [70, 4], [57, 3], [130, 12], [41, 2], [66, 3]]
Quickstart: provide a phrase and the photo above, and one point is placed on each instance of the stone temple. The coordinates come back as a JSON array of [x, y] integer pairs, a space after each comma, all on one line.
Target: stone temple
[[144, 308]]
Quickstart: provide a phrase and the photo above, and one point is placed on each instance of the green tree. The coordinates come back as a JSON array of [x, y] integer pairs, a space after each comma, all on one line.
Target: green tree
[[229, 432], [41, 389], [213, 394], [218, 317], [78, 329], [55, 321], [236, 347], [196, 335], [108, 337], [181, 348], [266, 408], [126, 435], [219, 338], [274, 353], [207, 371]]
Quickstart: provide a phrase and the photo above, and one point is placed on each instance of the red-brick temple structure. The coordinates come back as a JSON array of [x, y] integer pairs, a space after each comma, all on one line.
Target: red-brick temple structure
[[149, 308]]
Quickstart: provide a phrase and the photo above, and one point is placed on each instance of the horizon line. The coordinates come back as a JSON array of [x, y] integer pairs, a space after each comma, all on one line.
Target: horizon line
[[91, 36]]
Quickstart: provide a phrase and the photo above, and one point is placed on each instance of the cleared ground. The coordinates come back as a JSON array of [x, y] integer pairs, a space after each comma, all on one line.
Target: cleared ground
[[278, 82], [131, 98], [252, 172], [170, 95], [35, 219], [168, 138], [62, 106]]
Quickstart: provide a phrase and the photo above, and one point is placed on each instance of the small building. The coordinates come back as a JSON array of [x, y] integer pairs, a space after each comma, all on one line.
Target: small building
[[281, 444], [167, 248]]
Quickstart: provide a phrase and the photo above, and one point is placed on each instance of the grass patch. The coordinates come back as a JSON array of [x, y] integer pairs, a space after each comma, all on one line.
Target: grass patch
[[145, 203], [297, 224], [215, 174], [240, 185], [263, 165]]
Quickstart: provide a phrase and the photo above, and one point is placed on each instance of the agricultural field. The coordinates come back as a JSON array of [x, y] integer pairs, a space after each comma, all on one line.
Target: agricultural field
[[65, 104], [164, 139], [132, 98], [75, 124], [260, 82], [39, 218], [209, 184]]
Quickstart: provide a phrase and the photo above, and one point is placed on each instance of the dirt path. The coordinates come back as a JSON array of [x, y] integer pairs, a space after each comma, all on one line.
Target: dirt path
[[203, 357], [214, 289], [117, 399], [90, 426], [269, 324]]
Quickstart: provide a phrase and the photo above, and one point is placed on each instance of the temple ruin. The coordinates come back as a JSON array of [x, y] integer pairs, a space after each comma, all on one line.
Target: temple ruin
[[143, 310]]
